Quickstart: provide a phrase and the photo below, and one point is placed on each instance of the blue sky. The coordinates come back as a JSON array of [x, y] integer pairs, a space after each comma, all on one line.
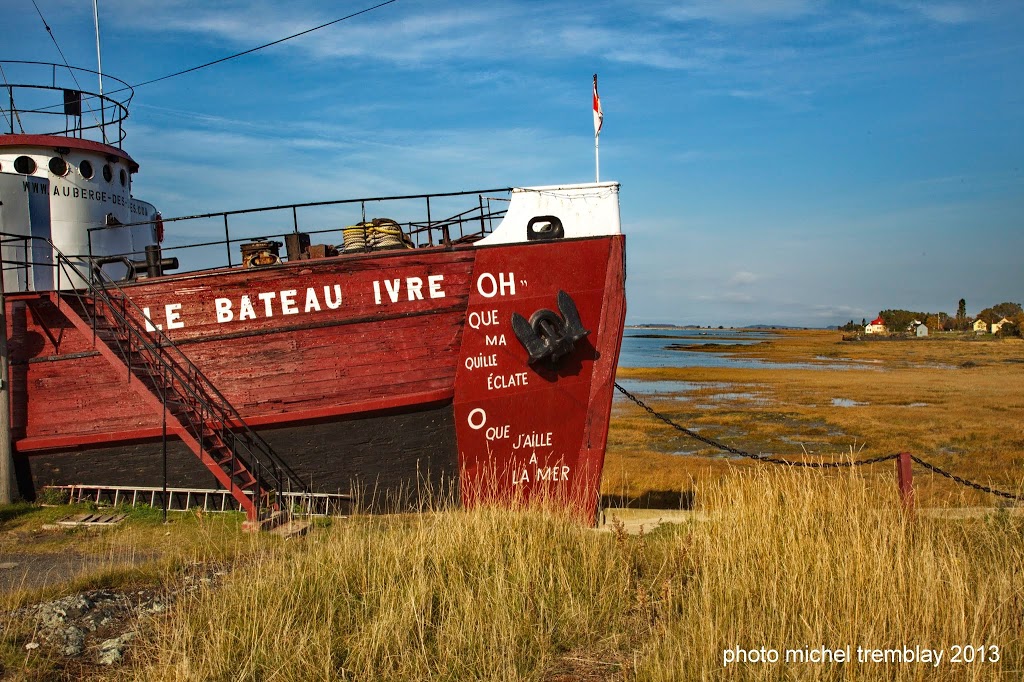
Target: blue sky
[[781, 161]]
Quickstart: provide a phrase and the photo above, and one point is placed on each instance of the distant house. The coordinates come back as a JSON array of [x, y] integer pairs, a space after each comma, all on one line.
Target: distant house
[[922, 330], [996, 326], [877, 326], [980, 326]]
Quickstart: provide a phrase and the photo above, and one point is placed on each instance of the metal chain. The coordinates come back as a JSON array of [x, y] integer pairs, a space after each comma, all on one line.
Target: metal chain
[[813, 465], [964, 481], [760, 458]]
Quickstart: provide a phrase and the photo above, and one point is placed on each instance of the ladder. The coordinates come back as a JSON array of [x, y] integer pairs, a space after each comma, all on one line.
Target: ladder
[[206, 499], [165, 380]]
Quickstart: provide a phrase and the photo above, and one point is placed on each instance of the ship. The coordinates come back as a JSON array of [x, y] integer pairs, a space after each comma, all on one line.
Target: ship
[[375, 349]]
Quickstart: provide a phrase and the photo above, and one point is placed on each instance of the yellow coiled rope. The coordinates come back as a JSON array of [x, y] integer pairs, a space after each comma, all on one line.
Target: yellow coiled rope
[[378, 234]]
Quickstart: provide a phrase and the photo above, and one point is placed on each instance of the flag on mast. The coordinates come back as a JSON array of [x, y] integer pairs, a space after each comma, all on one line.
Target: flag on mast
[[598, 113]]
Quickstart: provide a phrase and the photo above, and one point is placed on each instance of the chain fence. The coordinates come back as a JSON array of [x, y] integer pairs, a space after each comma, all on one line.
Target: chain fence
[[810, 465]]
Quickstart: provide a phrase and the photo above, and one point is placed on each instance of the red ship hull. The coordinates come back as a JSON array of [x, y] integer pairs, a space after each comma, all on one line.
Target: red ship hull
[[371, 374]]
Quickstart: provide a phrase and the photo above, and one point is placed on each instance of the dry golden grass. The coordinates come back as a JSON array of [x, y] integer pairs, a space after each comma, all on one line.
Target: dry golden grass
[[488, 594], [787, 559], [955, 403], [800, 559]]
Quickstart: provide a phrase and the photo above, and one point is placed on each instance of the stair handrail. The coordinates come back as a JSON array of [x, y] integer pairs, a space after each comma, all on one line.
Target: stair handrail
[[227, 414], [219, 409], [192, 380]]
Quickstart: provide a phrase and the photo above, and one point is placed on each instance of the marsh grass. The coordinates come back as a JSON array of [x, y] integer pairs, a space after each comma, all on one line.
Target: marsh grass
[[953, 402], [784, 559]]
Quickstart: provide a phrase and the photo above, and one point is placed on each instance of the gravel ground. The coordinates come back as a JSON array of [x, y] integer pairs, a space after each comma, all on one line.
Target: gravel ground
[[36, 570]]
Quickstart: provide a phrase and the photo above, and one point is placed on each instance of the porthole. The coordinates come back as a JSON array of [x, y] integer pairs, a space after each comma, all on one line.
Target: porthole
[[85, 168], [25, 164], [108, 174], [124, 178], [58, 166]]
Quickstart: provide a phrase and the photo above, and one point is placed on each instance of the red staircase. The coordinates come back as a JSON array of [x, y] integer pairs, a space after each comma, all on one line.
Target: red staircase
[[164, 379]]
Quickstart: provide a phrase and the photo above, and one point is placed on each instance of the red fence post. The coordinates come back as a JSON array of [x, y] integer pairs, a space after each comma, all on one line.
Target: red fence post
[[906, 480]]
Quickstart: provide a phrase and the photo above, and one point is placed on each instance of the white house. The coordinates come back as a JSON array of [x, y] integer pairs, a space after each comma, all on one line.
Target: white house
[[980, 326], [922, 330], [877, 326], [996, 326]]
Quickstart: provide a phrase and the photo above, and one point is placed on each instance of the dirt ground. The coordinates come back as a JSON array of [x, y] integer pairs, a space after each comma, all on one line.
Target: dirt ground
[[24, 571]]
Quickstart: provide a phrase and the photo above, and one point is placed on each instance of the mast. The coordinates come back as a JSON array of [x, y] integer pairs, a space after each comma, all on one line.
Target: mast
[[99, 67]]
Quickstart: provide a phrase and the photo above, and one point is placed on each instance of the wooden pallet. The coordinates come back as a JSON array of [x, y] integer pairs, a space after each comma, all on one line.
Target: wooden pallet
[[92, 520]]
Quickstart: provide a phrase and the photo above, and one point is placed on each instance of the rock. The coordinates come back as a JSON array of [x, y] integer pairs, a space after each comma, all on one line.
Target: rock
[[112, 650], [32, 645], [73, 640]]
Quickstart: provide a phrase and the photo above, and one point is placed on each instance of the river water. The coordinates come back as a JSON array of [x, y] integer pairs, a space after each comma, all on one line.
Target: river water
[[649, 348], [639, 350]]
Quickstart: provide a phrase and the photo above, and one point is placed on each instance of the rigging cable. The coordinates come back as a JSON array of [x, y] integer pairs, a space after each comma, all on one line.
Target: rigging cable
[[254, 49], [14, 112], [234, 56], [70, 69]]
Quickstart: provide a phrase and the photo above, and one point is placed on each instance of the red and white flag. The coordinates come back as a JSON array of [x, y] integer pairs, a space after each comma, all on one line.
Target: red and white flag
[[598, 114]]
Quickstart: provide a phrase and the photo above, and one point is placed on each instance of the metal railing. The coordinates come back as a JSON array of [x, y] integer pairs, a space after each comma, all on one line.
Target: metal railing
[[33, 106], [151, 357], [465, 225]]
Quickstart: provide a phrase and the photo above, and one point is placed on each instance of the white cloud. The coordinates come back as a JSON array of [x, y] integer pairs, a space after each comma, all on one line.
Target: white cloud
[[742, 278], [945, 12], [740, 10]]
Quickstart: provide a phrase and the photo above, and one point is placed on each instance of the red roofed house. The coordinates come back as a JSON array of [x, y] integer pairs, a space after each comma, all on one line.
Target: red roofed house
[[877, 326]]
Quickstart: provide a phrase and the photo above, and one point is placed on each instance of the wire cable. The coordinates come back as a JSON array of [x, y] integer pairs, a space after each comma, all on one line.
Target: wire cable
[[250, 51], [65, 60], [14, 112], [234, 56]]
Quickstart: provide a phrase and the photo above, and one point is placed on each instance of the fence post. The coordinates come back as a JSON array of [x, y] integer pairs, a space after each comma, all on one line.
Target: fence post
[[906, 480]]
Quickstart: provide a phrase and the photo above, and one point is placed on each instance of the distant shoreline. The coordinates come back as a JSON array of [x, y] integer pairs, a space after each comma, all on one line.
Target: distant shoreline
[[693, 327]]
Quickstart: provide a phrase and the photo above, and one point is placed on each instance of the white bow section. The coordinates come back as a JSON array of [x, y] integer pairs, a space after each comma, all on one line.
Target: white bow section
[[587, 210]]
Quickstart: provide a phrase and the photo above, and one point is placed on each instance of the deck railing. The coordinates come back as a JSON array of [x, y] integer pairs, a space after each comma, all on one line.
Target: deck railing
[[44, 98], [465, 217]]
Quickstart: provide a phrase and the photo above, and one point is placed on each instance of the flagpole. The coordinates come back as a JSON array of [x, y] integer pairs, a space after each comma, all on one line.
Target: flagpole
[[598, 121]]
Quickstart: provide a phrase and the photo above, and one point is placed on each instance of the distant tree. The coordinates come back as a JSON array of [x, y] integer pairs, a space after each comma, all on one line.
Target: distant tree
[[900, 320], [1006, 309], [938, 321], [863, 322], [961, 323]]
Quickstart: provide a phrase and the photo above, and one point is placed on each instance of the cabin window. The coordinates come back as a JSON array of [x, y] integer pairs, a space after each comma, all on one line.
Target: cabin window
[[108, 174], [24, 164], [58, 166], [85, 168], [124, 178]]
